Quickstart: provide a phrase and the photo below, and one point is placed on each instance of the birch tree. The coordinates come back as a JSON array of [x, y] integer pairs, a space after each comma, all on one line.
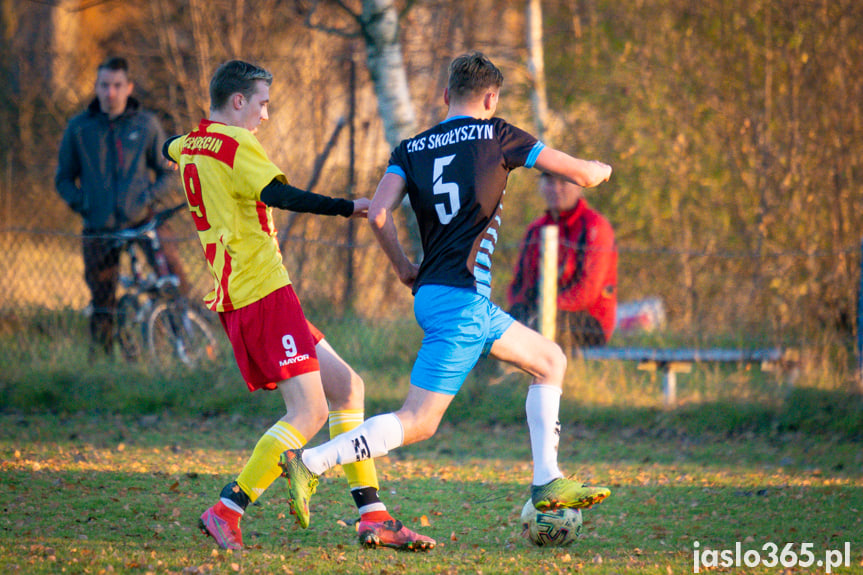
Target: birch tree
[[536, 67], [378, 25]]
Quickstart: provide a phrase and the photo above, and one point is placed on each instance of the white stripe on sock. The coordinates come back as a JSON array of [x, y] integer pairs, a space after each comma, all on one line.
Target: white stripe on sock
[[283, 436]]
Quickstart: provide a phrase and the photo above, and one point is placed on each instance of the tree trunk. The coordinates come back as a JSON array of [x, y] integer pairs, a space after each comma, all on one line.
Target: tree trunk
[[380, 30], [380, 25], [536, 68]]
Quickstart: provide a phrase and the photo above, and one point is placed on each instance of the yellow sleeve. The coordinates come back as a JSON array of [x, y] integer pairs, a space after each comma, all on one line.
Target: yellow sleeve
[[175, 147], [253, 168]]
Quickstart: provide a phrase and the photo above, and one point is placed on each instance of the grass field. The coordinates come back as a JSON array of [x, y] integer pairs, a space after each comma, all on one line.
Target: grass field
[[121, 494], [105, 467]]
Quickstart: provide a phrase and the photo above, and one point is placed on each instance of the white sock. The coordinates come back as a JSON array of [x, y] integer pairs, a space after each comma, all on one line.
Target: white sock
[[232, 506], [542, 407], [374, 438], [379, 506]]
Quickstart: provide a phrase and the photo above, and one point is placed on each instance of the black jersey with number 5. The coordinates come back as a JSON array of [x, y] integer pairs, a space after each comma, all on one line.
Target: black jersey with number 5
[[455, 175]]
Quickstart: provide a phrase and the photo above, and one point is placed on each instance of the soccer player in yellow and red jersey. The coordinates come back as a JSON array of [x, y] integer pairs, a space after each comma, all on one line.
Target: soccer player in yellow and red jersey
[[231, 187]]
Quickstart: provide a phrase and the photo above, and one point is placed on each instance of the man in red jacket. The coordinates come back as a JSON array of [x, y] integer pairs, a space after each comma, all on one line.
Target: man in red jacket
[[587, 268]]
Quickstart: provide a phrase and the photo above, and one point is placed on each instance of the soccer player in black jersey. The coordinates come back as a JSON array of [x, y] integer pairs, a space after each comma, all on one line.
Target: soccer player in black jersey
[[455, 176]]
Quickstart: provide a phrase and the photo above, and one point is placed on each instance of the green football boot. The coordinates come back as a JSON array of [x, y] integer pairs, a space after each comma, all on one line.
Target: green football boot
[[302, 484], [561, 492]]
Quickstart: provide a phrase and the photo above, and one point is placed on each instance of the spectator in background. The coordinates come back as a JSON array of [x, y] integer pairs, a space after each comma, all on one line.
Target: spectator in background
[[587, 268], [111, 172]]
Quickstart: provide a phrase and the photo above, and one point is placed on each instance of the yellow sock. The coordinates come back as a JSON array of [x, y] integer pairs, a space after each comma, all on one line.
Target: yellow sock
[[361, 473], [263, 466]]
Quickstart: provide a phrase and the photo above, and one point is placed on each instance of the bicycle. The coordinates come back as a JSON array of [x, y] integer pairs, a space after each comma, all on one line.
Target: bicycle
[[153, 317]]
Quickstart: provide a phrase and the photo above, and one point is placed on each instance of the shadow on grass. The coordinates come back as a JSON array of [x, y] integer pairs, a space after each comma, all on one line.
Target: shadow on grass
[[806, 410], [202, 395], [65, 384], [476, 519]]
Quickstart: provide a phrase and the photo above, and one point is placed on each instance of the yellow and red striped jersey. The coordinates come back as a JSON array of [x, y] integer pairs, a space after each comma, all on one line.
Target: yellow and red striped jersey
[[224, 168]]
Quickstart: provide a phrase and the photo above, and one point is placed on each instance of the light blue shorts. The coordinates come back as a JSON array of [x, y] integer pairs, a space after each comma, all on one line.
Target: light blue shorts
[[460, 326]]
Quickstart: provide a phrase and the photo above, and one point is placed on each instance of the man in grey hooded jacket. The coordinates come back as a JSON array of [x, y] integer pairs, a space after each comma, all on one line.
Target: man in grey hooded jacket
[[111, 171]]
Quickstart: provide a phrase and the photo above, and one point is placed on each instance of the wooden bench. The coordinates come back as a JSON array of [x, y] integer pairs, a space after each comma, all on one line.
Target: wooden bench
[[670, 362]]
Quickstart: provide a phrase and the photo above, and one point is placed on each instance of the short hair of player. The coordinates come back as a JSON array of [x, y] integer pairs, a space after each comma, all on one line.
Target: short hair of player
[[471, 75], [114, 63], [236, 76]]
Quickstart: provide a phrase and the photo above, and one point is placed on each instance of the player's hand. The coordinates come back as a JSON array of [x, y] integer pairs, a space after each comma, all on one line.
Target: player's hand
[[408, 273], [361, 208]]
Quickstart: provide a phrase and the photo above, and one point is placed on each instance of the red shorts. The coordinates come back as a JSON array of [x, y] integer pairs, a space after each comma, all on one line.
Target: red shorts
[[272, 339]]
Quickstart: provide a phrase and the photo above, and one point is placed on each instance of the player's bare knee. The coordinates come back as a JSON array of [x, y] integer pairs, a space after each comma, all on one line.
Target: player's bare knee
[[353, 401], [415, 428], [429, 429], [308, 416], [348, 396], [423, 430], [553, 364], [560, 360], [356, 399]]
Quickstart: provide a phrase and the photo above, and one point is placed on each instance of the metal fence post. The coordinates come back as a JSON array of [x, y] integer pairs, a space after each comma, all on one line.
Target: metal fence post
[[860, 324], [7, 220], [548, 282]]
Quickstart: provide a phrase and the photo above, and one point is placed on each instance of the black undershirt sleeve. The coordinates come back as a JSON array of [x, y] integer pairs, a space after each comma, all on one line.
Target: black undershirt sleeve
[[287, 197], [165, 148]]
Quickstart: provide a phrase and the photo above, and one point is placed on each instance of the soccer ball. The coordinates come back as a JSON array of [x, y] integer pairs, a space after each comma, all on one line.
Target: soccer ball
[[552, 528]]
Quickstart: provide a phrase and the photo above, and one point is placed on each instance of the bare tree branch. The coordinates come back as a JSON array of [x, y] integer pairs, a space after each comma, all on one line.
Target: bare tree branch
[[347, 9], [342, 32], [408, 5]]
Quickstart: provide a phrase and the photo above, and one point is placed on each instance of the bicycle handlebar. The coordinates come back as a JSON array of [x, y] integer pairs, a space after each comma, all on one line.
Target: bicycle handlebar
[[153, 223]]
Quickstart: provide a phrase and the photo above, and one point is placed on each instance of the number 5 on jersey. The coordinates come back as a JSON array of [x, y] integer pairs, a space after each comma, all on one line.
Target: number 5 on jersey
[[448, 190]]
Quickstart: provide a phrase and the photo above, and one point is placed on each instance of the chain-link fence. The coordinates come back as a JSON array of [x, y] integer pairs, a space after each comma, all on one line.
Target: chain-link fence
[[737, 298], [44, 273]]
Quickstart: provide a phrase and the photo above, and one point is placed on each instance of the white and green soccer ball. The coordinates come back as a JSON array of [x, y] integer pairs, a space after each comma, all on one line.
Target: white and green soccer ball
[[553, 528]]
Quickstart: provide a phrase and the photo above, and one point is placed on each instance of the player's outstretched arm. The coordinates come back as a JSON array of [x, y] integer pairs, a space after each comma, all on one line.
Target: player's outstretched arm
[[285, 196], [585, 173], [388, 196]]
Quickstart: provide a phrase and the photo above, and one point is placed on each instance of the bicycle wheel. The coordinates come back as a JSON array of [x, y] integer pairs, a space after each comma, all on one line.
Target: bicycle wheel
[[130, 332], [176, 333]]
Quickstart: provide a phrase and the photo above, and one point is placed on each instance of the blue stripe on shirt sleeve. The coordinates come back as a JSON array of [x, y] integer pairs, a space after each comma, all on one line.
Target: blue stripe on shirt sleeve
[[534, 152], [397, 170]]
